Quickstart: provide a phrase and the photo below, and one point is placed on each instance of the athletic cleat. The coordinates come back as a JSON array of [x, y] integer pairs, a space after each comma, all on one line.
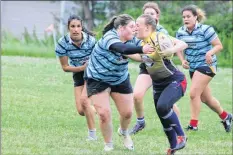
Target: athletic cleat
[[137, 128], [227, 123], [128, 143], [190, 127], [171, 151], [108, 148], [181, 142], [89, 138]]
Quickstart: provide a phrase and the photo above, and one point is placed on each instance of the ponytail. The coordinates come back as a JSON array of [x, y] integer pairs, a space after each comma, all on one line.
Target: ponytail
[[88, 32], [110, 25], [116, 21], [200, 15]]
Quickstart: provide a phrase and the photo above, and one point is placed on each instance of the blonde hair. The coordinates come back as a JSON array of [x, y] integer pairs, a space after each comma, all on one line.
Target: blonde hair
[[149, 20], [152, 5], [200, 15], [196, 11]]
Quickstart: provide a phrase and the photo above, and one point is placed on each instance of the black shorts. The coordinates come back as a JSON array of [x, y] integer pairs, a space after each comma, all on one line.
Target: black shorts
[[207, 70], [143, 69], [78, 79], [95, 87]]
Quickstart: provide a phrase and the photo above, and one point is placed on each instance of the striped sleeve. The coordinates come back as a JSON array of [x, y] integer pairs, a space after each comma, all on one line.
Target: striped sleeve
[[92, 41], [60, 49], [110, 39], [210, 34]]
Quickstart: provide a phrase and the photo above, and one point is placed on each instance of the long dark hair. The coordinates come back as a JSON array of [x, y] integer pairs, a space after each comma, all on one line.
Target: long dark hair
[[116, 21], [73, 17]]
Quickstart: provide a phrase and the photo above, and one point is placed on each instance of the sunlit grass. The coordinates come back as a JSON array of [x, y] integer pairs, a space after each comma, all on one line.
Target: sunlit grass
[[39, 115]]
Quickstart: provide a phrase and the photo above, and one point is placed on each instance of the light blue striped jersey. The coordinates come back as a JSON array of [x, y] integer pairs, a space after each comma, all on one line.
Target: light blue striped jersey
[[77, 55], [109, 66], [199, 43], [160, 28]]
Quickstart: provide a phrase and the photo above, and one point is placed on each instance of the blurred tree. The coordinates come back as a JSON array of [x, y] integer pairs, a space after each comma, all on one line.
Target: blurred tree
[[88, 13]]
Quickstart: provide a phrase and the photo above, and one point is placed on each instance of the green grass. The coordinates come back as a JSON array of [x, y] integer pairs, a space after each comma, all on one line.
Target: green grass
[[39, 115], [30, 50]]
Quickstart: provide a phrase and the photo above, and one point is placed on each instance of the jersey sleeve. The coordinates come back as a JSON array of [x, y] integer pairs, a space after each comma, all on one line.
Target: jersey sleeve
[[109, 39], [92, 41], [60, 49], [210, 34]]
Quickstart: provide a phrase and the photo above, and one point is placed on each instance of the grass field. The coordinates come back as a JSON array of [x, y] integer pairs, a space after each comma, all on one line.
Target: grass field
[[39, 115]]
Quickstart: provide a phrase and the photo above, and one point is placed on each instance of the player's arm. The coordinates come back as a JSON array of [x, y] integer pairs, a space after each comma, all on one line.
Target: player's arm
[[135, 57], [179, 45], [127, 49], [180, 54], [217, 47], [67, 68]]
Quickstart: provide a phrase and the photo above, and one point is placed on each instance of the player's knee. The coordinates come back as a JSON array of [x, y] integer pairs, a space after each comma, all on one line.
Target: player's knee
[[127, 114], [79, 108], [138, 97], [104, 115], [80, 112], [193, 94], [84, 101], [162, 109]]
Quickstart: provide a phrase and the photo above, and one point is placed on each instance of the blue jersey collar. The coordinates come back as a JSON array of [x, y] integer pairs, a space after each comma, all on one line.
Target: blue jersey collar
[[83, 41], [197, 25]]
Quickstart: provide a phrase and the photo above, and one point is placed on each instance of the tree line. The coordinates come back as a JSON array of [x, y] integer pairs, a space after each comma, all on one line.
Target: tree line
[[219, 15]]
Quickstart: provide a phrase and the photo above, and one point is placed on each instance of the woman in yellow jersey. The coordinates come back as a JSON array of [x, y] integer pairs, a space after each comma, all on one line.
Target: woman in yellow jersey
[[144, 81], [169, 84]]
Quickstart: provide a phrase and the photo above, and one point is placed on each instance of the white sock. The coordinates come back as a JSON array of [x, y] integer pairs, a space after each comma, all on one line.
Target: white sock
[[109, 144], [124, 132], [92, 133]]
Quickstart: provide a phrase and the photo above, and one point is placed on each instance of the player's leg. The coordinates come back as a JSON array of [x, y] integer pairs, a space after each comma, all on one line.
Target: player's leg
[[143, 83], [89, 113], [99, 93], [198, 85], [213, 103], [123, 98]]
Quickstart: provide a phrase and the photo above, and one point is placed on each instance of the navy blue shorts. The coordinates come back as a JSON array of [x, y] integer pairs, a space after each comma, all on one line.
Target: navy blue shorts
[[171, 89], [95, 87], [166, 95], [207, 70], [78, 79]]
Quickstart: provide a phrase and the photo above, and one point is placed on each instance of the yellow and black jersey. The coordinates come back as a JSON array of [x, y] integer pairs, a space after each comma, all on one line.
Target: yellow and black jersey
[[159, 67]]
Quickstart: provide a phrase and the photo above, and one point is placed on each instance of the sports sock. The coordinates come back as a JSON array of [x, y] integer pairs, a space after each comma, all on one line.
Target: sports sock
[[141, 120], [223, 115], [193, 122], [124, 132], [109, 144], [175, 123], [171, 135], [92, 133], [168, 129]]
